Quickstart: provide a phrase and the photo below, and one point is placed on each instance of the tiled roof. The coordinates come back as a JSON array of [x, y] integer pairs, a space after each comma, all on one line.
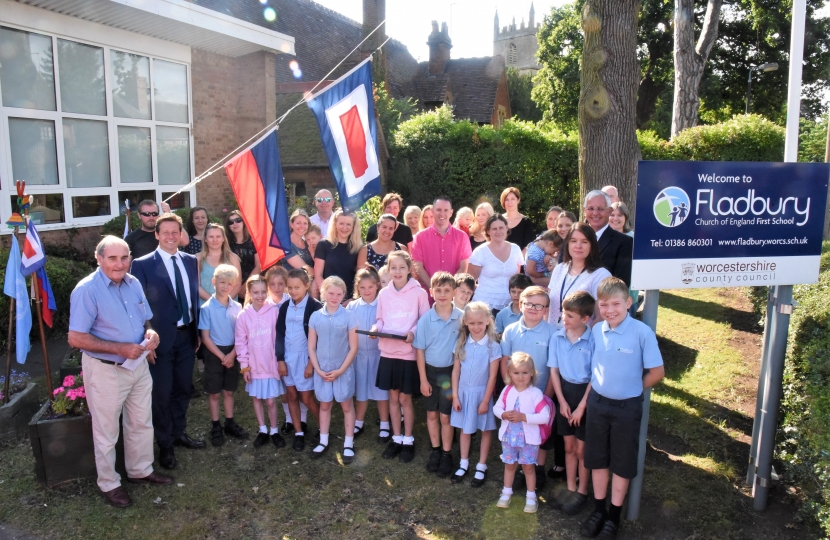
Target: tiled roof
[[473, 83], [431, 89], [299, 136]]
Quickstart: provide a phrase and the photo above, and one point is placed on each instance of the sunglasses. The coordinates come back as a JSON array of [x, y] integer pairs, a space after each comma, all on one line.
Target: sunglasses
[[235, 221], [324, 199], [149, 214]]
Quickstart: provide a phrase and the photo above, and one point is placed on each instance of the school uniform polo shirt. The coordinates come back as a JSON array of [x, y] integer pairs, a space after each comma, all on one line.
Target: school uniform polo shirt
[[533, 341], [219, 320], [437, 337], [438, 252], [506, 317], [573, 360], [619, 357]]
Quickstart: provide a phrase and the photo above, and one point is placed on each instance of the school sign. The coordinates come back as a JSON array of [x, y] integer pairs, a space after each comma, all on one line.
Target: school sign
[[728, 224]]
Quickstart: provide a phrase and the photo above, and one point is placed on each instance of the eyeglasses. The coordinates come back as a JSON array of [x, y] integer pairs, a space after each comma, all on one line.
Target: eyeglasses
[[324, 199], [534, 307], [149, 214], [596, 208], [235, 221]]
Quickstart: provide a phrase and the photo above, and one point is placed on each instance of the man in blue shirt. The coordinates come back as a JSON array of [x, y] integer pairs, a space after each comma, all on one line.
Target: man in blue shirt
[[109, 321]]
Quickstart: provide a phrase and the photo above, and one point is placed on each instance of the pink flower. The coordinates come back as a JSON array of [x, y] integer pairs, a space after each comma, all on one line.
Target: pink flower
[[69, 380], [82, 392], [58, 390]]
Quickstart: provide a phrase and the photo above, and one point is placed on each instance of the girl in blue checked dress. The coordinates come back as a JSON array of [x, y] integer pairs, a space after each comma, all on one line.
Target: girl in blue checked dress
[[477, 355], [332, 347], [364, 308]]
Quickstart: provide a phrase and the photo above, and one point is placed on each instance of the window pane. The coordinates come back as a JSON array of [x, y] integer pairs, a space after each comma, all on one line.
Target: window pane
[[135, 197], [81, 72], [136, 163], [170, 91], [182, 200], [130, 85], [34, 159], [173, 151], [46, 208], [91, 206], [26, 72], [86, 152]]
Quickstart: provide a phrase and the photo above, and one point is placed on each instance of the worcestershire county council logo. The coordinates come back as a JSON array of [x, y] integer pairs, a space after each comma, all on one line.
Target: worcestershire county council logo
[[671, 206], [687, 272]]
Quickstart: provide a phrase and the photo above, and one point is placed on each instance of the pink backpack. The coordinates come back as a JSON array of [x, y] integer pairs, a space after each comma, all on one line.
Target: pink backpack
[[544, 429]]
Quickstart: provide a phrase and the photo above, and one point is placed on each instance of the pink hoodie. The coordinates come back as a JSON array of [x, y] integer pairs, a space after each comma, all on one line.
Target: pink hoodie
[[398, 313], [255, 334]]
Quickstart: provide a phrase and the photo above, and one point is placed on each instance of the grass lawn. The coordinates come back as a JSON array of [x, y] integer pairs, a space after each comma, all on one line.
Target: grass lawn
[[701, 422]]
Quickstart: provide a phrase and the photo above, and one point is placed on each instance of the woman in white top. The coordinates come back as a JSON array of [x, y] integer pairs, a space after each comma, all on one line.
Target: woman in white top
[[493, 263], [581, 270]]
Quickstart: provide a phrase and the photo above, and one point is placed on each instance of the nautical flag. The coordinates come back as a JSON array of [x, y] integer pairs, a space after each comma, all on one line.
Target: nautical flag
[[47, 297], [257, 181], [15, 287], [33, 256], [345, 112]]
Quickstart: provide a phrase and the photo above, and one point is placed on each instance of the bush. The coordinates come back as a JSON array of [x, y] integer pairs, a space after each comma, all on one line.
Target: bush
[[436, 155]]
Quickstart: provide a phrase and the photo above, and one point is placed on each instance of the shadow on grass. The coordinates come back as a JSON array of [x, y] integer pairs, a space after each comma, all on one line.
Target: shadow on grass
[[678, 359], [744, 321]]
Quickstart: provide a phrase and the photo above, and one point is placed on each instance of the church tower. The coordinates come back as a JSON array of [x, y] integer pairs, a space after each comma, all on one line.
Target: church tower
[[518, 44]]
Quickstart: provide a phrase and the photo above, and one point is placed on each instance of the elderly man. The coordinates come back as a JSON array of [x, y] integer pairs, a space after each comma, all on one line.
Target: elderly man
[[391, 204], [109, 321], [171, 281], [441, 246], [615, 248], [324, 202], [143, 240], [612, 192]]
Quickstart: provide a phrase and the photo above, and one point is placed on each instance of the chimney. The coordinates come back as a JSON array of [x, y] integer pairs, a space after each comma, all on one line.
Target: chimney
[[374, 12], [439, 48]]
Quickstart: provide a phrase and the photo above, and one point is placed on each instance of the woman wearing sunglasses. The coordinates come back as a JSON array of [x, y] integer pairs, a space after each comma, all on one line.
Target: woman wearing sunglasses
[[242, 245]]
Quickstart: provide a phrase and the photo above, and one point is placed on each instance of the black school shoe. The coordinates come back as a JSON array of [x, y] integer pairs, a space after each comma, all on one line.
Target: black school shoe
[[216, 436], [609, 530], [445, 468], [434, 460], [299, 443], [235, 430], [392, 450], [278, 441], [553, 474], [261, 439], [594, 525], [575, 505], [407, 453], [287, 427]]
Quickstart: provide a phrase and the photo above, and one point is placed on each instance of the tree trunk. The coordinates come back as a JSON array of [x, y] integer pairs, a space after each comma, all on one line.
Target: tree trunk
[[610, 75], [690, 59]]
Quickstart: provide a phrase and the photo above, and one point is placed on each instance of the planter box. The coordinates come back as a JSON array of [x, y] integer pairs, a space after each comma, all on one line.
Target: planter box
[[63, 448], [15, 415], [69, 370]]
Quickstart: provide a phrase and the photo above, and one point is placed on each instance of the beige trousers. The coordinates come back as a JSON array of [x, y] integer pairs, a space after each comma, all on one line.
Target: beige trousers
[[110, 392]]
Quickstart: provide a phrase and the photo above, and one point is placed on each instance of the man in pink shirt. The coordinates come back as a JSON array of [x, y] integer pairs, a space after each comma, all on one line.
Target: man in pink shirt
[[440, 247]]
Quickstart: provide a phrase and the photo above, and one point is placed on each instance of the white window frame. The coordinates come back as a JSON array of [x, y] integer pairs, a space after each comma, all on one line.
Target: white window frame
[[7, 180]]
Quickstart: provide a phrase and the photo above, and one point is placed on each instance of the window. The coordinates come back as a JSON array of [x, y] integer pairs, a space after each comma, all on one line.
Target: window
[[512, 53], [182, 200], [87, 126]]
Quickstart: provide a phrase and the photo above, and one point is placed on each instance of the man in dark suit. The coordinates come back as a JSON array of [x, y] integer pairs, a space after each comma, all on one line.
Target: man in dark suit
[[170, 279], [615, 248]]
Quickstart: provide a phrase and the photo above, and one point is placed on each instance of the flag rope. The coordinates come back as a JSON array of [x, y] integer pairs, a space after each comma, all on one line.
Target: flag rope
[[216, 166]]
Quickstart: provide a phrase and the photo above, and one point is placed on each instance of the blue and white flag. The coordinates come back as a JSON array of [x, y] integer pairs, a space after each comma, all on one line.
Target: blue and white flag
[[15, 287], [345, 112]]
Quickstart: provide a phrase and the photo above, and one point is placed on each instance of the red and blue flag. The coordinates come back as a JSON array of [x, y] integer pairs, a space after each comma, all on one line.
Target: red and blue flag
[[345, 113], [258, 183]]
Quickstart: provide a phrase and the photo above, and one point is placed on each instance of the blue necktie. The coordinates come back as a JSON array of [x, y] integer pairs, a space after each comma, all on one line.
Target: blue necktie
[[181, 295]]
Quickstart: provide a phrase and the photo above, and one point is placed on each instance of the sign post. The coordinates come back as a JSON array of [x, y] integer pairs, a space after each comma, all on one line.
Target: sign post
[[730, 224]]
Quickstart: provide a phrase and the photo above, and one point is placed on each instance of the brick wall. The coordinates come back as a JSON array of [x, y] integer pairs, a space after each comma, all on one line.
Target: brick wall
[[233, 98], [502, 98]]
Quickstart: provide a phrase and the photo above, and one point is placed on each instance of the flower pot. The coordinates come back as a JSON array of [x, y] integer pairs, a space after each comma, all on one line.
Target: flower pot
[[15, 415], [70, 370], [64, 450]]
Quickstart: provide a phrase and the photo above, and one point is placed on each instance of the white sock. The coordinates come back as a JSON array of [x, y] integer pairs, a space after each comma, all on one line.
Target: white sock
[[263, 429], [507, 491], [398, 439], [303, 412], [480, 468], [348, 442], [298, 433], [274, 430], [463, 464], [408, 440], [531, 495], [287, 413], [384, 426], [358, 423], [324, 439]]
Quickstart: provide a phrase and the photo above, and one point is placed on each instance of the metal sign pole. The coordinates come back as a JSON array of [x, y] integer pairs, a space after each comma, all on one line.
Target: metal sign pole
[[635, 488], [759, 398]]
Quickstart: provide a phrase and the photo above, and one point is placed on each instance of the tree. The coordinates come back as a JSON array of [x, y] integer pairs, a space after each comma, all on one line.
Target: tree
[[519, 87], [690, 59], [608, 147]]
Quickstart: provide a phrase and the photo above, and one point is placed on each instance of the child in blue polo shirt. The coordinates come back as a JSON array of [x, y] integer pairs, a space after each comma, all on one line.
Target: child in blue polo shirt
[[625, 360], [217, 320], [570, 372], [512, 312], [531, 335], [434, 344]]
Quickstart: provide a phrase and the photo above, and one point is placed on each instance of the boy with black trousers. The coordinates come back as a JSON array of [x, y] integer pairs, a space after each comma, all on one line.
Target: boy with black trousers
[[625, 360]]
